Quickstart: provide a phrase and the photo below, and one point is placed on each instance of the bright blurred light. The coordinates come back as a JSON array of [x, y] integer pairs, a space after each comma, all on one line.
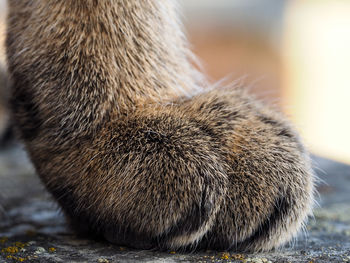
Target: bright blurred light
[[2, 30], [317, 79]]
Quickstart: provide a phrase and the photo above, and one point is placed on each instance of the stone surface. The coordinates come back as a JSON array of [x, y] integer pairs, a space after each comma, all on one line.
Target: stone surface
[[32, 229]]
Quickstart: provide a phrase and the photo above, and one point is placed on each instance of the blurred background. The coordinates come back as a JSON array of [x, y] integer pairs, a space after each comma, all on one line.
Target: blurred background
[[295, 54]]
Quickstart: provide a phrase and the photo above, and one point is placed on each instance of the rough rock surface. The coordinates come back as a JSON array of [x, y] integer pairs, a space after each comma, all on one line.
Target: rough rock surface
[[32, 229]]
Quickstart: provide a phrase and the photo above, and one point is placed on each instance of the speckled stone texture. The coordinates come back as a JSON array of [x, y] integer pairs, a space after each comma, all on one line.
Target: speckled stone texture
[[32, 229]]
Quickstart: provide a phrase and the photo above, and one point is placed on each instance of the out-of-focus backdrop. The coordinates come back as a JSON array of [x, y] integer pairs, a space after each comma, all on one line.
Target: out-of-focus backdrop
[[294, 53], [2, 29]]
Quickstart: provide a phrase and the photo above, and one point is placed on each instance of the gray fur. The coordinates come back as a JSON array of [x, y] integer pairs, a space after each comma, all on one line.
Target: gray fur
[[111, 111]]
